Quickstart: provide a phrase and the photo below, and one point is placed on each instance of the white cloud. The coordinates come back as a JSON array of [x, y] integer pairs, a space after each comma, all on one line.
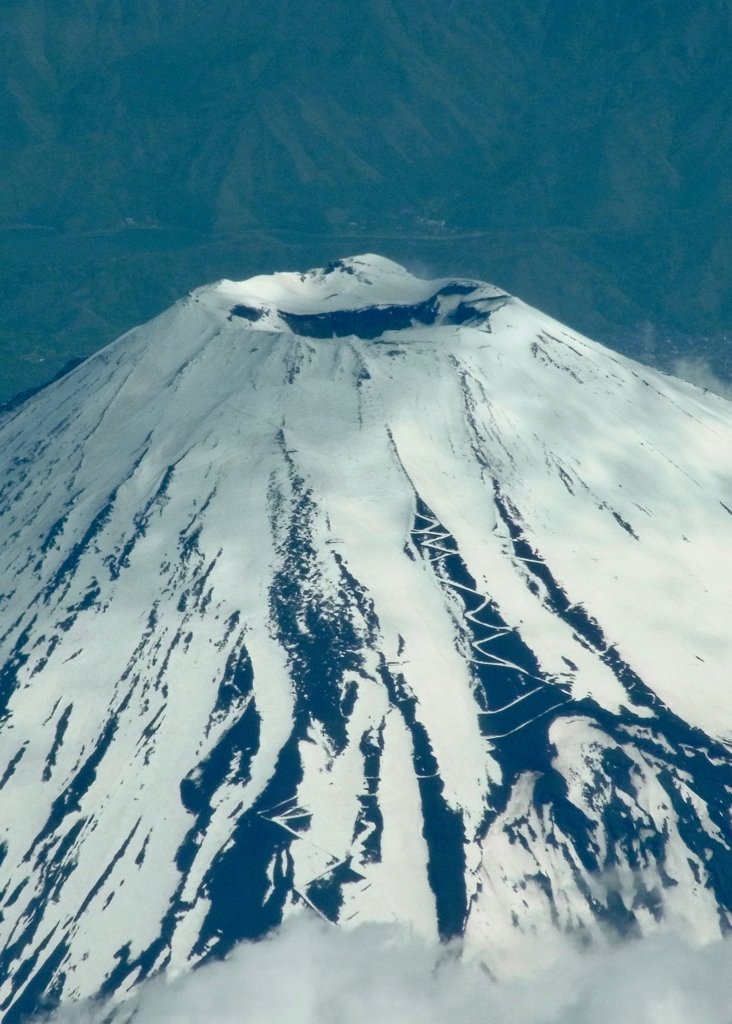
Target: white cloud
[[311, 973], [699, 372]]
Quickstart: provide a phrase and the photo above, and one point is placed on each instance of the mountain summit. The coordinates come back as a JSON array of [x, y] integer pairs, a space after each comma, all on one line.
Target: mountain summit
[[389, 597]]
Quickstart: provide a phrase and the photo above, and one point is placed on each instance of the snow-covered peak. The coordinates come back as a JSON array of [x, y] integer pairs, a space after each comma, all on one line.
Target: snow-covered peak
[[390, 598], [352, 284]]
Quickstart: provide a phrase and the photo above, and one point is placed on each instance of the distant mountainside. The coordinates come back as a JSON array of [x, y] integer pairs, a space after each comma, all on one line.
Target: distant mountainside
[[588, 147], [347, 589]]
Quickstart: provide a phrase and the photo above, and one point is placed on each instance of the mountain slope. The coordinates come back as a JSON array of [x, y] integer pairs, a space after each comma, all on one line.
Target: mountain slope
[[387, 596]]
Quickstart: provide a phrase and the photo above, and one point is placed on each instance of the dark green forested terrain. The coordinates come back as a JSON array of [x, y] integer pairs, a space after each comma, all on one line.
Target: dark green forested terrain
[[576, 153]]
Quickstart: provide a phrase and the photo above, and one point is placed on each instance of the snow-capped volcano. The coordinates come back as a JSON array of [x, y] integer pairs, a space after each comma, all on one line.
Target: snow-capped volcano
[[391, 597]]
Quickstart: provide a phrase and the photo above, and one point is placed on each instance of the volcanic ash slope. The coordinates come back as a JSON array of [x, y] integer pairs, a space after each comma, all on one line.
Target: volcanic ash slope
[[390, 597]]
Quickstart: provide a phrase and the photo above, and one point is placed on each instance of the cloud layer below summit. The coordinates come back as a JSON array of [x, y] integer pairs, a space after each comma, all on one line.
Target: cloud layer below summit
[[309, 972]]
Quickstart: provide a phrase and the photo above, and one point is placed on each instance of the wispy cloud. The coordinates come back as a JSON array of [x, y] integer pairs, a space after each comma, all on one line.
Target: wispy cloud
[[311, 973], [698, 371]]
